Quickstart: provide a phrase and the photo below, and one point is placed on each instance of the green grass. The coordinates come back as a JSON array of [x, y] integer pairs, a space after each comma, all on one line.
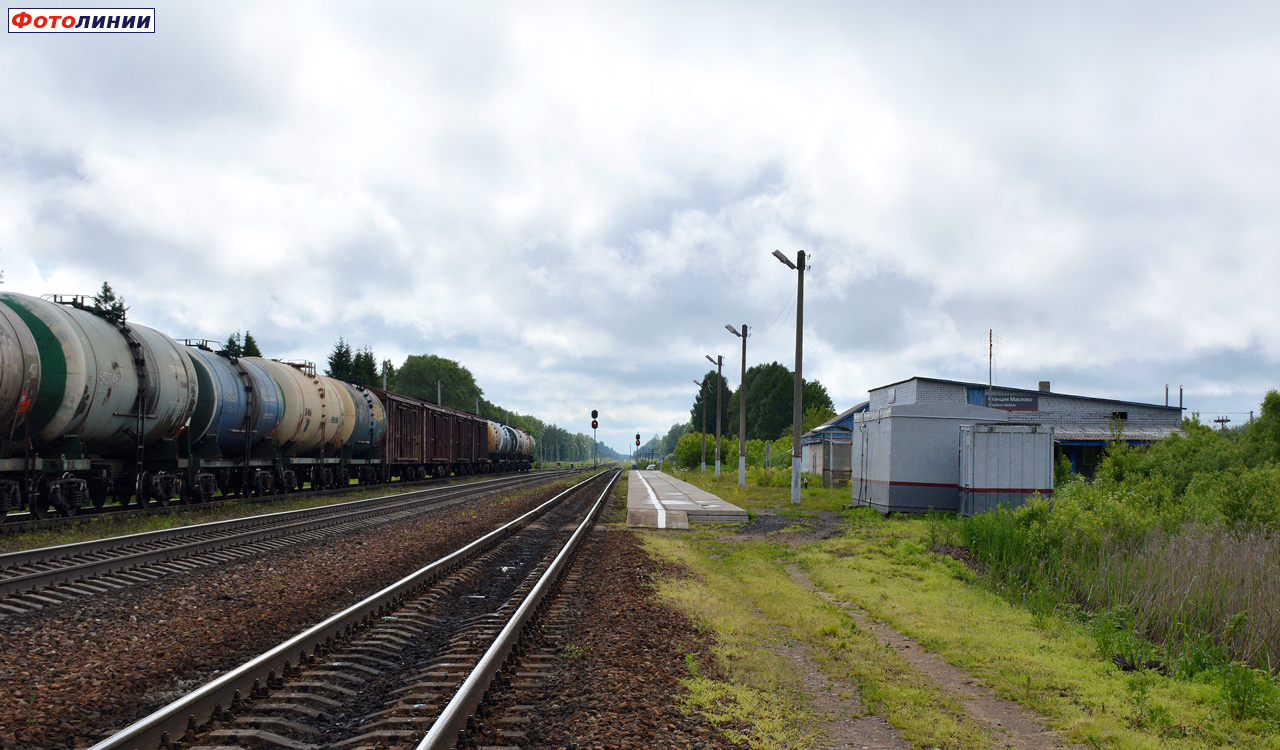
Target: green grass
[[1052, 661], [1049, 663], [742, 592]]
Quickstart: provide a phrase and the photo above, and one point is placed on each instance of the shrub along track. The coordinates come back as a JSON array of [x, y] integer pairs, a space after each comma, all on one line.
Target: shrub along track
[[78, 670]]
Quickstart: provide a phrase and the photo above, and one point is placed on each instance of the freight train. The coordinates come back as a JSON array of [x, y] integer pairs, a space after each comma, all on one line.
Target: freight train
[[94, 410]]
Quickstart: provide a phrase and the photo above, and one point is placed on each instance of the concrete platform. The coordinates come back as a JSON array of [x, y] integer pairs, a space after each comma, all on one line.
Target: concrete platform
[[657, 500]]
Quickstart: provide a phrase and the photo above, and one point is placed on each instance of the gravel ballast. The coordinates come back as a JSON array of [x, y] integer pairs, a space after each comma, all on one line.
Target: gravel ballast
[[73, 672]]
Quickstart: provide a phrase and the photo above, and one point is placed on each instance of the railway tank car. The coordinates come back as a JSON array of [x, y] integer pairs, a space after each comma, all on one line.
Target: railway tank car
[[93, 409], [509, 449], [103, 389], [238, 408]]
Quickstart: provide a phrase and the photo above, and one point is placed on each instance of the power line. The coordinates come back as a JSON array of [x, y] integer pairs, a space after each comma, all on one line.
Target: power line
[[786, 309]]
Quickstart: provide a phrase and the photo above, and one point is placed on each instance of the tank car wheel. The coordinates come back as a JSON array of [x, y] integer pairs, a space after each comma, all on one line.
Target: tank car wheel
[[158, 492], [342, 478], [142, 498], [66, 504]]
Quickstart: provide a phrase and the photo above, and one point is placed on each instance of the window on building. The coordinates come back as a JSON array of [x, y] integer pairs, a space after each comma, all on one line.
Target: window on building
[[978, 396], [1122, 415]]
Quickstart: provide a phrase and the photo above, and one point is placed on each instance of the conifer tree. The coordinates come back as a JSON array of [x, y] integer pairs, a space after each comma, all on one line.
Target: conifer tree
[[108, 305], [250, 348], [340, 361]]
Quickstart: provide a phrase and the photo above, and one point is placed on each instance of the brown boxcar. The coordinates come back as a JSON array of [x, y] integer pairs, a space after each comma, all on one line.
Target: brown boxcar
[[422, 435], [405, 442]]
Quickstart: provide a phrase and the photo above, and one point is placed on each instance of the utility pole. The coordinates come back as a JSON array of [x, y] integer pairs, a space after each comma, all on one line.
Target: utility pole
[[703, 386], [719, 363], [797, 403], [991, 349], [1222, 422], [742, 408], [438, 403]]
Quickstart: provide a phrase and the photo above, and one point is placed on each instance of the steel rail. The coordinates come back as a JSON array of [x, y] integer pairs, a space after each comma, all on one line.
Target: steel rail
[[128, 552], [196, 707], [444, 732], [18, 522], [17, 558]]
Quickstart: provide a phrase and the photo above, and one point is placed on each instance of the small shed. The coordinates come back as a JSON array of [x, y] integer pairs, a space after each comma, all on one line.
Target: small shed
[[905, 458], [1003, 464], [824, 450]]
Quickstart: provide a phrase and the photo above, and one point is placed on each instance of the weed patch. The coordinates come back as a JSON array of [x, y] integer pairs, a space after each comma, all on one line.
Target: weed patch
[[746, 597]]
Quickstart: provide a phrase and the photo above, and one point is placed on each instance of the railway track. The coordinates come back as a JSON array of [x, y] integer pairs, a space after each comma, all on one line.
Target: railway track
[[15, 523], [405, 667], [34, 579]]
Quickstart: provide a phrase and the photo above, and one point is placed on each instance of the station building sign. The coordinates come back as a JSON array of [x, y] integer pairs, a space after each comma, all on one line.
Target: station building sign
[[1013, 401]]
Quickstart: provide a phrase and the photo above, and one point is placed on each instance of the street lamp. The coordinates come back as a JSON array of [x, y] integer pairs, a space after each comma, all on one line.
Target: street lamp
[[742, 408], [797, 402], [719, 363], [703, 386]]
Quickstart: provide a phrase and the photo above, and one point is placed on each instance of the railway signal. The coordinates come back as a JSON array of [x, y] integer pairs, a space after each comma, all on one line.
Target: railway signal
[[594, 443]]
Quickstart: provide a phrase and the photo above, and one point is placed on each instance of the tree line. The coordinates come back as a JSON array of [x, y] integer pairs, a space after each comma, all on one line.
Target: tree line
[[424, 376], [450, 384]]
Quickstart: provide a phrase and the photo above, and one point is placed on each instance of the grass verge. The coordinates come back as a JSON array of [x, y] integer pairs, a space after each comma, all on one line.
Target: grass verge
[[1043, 661], [741, 591]]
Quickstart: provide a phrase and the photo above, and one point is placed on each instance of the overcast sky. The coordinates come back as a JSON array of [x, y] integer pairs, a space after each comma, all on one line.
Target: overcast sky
[[573, 199]]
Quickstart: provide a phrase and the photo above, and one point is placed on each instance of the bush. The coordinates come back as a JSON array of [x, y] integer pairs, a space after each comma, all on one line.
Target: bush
[[688, 452], [1249, 693]]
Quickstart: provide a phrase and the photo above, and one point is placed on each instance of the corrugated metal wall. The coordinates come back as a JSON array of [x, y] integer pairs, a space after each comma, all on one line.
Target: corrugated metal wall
[[1003, 465]]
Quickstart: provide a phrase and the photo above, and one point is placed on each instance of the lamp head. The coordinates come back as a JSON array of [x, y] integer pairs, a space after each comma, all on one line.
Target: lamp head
[[778, 254], [732, 330]]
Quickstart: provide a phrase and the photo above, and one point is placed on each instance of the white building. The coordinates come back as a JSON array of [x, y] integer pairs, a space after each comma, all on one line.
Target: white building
[[905, 448]]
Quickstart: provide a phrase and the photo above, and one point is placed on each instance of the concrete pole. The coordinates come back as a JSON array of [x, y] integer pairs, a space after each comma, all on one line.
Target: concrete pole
[[703, 386], [742, 414], [719, 380], [797, 406]]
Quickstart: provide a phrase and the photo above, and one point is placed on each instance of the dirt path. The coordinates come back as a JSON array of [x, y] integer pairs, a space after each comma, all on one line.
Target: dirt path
[[1010, 724], [840, 722]]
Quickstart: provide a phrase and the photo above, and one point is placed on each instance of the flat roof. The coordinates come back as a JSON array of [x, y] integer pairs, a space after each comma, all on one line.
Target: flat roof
[[1178, 409]]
